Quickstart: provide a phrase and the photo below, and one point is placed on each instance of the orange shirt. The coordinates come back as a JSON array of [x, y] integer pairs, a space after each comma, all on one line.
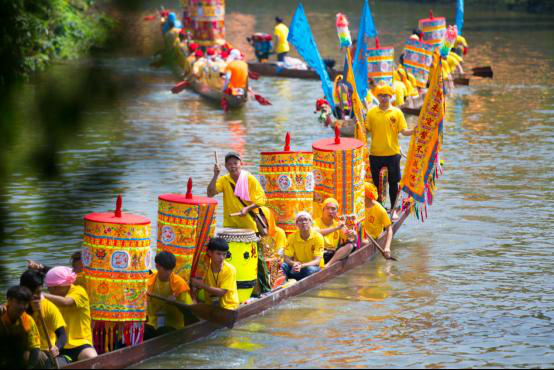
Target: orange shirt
[[239, 74]]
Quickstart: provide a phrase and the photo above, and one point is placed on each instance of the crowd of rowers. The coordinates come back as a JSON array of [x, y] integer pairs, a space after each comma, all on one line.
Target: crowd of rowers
[[50, 306], [207, 64], [406, 92]]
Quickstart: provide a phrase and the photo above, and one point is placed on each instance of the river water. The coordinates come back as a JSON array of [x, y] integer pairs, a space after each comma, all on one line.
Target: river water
[[473, 285]]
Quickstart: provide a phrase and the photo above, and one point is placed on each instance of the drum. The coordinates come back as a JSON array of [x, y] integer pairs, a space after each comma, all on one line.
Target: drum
[[418, 57], [116, 258], [243, 254], [339, 172], [433, 29], [288, 182], [185, 224], [381, 64], [207, 18]]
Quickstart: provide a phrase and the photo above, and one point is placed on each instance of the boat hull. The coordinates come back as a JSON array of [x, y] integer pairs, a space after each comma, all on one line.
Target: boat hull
[[272, 70]]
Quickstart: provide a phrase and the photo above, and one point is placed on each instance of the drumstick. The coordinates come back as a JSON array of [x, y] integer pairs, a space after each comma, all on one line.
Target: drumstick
[[235, 214], [216, 158]]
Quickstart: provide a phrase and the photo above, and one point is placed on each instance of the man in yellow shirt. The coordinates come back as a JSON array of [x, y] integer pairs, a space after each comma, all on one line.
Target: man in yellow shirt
[[281, 33], [376, 219], [163, 317], [18, 330], [73, 303], [237, 208], [304, 251], [338, 242], [53, 320], [384, 123], [220, 282]]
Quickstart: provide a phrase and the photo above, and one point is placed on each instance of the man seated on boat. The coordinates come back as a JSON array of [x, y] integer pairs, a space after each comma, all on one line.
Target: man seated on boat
[[18, 330], [75, 262], [171, 27], [236, 74], [384, 123], [342, 96], [198, 65], [242, 193], [304, 252], [400, 90], [281, 33], [417, 34], [73, 303], [213, 68], [376, 219], [460, 46], [43, 309], [163, 317], [337, 241], [220, 281]]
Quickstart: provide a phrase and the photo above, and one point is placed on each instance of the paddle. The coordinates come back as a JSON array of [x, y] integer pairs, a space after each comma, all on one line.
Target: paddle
[[485, 71], [260, 99], [253, 75], [43, 325], [214, 314], [381, 249], [180, 87]]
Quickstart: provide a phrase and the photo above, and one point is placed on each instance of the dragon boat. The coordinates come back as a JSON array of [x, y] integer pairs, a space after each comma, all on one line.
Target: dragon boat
[[273, 69], [132, 355]]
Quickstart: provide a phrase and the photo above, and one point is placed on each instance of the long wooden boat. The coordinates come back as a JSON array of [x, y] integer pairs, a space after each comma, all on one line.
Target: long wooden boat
[[131, 355], [271, 69], [215, 95]]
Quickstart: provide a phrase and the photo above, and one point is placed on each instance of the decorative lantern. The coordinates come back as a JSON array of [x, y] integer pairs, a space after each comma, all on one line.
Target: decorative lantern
[[418, 58], [339, 172], [288, 182], [185, 224], [380, 63], [207, 21], [433, 29], [116, 256]]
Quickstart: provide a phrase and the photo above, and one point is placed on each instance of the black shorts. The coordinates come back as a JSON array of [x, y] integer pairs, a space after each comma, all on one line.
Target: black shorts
[[328, 254], [73, 353]]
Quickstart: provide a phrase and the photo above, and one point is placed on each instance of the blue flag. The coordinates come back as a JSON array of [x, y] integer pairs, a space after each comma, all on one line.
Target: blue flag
[[460, 16], [360, 67], [300, 35]]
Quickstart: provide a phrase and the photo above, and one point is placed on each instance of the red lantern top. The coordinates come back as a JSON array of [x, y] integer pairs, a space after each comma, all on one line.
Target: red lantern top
[[329, 145], [117, 217], [187, 198]]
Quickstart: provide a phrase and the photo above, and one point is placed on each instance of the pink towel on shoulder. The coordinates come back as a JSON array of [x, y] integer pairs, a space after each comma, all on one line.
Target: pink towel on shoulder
[[241, 188]]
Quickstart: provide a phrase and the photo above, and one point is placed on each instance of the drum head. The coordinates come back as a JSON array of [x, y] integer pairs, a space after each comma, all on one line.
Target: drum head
[[237, 235]]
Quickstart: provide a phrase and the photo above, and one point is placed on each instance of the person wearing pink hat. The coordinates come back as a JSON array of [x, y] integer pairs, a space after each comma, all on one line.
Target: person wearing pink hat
[[73, 303], [384, 123]]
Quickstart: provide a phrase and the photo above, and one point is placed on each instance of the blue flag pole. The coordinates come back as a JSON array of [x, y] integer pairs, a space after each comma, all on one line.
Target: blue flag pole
[[360, 66], [460, 16]]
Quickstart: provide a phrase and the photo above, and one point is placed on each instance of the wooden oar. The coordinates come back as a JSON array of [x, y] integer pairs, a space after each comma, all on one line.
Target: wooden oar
[[259, 98], [485, 71], [43, 325], [381, 249], [180, 87], [215, 314]]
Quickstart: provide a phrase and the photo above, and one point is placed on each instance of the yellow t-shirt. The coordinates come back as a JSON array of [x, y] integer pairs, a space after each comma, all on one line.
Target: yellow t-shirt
[[460, 40], [173, 316], [376, 220], [305, 251], [226, 279], [53, 320], [282, 32], [400, 92], [384, 127], [77, 318], [24, 327], [279, 240], [333, 239], [231, 203]]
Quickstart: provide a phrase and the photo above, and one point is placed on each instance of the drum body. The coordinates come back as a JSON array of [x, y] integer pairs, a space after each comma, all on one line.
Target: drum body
[[184, 228], [381, 64], [116, 256], [339, 172], [243, 255], [207, 19], [418, 58], [433, 30], [288, 182]]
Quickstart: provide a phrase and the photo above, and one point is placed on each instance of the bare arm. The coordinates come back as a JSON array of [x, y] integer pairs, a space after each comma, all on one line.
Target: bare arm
[[315, 262], [331, 230], [60, 301], [211, 186], [389, 232], [218, 292], [407, 132]]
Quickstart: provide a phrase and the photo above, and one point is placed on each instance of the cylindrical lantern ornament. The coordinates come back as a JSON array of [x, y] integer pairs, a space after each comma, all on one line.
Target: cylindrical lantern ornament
[[380, 62], [207, 21], [433, 29], [116, 257], [339, 171], [288, 182], [185, 224], [418, 58]]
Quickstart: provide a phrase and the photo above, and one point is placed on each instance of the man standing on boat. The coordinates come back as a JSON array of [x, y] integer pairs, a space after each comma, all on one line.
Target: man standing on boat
[[281, 33], [384, 122]]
